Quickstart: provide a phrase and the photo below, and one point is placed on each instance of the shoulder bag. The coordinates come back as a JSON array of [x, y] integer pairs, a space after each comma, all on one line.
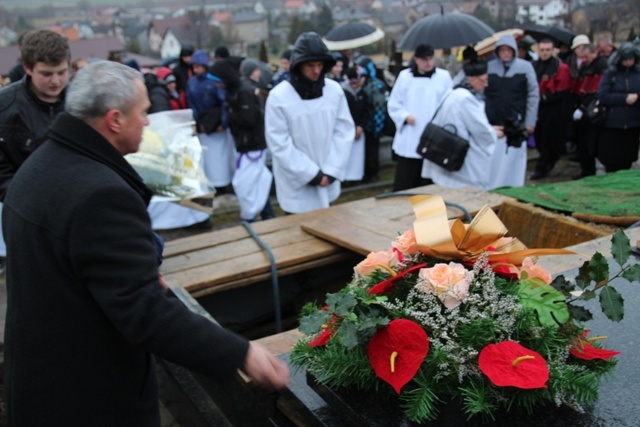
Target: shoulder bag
[[442, 145]]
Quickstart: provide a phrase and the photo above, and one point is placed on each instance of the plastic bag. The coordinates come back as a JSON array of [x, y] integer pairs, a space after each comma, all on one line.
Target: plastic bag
[[170, 156]]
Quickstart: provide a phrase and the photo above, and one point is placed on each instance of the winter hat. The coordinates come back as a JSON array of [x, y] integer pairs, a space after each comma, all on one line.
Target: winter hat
[[580, 40], [475, 67], [248, 66], [286, 54], [169, 79], [163, 72], [221, 52], [186, 50], [200, 57], [469, 52], [423, 51], [227, 71]]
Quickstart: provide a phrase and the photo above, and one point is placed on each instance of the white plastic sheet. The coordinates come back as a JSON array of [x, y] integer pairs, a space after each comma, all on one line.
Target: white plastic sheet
[[170, 157]]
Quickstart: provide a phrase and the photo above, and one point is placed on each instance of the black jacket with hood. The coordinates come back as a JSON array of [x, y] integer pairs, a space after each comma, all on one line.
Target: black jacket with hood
[[309, 47]]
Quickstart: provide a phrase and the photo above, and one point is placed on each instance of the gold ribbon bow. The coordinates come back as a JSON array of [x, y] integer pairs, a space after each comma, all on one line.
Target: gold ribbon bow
[[439, 237]]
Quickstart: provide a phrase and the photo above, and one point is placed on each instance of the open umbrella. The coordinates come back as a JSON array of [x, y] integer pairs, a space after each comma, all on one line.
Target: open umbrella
[[445, 30], [556, 34], [352, 35]]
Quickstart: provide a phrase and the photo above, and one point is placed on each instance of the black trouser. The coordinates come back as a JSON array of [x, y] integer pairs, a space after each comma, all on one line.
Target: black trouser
[[371, 156], [408, 174], [550, 136], [585, 136]]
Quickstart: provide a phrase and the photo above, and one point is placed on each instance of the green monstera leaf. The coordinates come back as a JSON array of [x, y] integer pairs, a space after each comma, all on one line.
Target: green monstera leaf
[[548, 303]]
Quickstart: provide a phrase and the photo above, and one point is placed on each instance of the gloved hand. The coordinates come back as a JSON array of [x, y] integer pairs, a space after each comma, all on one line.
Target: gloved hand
[[577, 115]]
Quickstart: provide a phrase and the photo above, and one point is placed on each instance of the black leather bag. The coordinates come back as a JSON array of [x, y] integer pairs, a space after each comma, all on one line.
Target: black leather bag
[[596, 113], [442, 146]]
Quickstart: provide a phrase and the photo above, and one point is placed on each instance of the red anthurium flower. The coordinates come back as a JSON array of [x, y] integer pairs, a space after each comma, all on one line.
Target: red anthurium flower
[[323, 339], [510, 364], [397, 351], [583, 349], [386, 285], [327, 333], [400, 256], [505, 269]]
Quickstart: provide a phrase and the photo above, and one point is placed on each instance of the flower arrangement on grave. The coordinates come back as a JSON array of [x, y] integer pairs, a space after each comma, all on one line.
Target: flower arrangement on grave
[[464, 315]]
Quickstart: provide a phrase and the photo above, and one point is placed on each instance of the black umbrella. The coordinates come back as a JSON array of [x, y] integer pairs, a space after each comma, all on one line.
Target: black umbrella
[[445, 30], [556, 34], [352, 35]]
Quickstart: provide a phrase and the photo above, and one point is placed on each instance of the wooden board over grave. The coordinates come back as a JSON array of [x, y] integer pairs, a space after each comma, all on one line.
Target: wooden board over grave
[[230, 258]]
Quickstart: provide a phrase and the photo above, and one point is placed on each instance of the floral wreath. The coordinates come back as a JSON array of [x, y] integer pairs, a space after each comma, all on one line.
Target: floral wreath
[[467, 316]]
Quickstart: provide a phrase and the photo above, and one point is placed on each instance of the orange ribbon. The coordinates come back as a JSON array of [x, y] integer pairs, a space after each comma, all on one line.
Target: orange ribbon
[[439, 237]]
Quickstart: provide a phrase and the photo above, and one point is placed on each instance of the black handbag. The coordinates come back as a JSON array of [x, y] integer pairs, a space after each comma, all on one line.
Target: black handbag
[[442, 145], [596, 113]]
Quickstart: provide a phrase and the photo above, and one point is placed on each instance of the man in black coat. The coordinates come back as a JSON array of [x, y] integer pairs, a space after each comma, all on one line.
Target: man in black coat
[[86, 311]]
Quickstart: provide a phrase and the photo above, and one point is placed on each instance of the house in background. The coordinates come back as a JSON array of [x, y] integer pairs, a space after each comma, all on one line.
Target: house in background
[[542, 12], [7, 36], [158, 28]]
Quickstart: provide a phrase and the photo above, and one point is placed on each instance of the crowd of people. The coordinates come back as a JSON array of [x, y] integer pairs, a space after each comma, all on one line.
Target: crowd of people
[[97, 304]]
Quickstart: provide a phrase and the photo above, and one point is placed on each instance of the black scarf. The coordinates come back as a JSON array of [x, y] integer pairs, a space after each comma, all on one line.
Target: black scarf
[[416, 73], [548, 68], [307, 89]]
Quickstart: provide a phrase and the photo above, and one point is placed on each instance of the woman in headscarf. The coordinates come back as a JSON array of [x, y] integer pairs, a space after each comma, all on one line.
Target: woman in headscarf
[[618, 92]]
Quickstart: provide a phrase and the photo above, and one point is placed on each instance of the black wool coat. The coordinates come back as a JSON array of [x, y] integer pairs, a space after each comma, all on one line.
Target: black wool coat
[[85, 308]]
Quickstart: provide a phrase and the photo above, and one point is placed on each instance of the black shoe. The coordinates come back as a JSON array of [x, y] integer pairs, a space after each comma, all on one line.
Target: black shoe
[[207, 224], [538, 174]]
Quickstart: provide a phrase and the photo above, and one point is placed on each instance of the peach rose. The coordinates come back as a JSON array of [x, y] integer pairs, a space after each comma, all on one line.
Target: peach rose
[[406, 243], [374, 260], [450, 282], [535, 271]]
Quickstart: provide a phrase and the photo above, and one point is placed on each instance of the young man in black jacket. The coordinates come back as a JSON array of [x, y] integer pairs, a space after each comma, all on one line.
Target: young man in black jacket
[[28, 105]]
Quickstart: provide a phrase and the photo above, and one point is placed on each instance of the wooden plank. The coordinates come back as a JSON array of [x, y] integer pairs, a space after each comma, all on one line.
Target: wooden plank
[[261, 277], [249, 265], [244, 245], [356, 232], [357, 226], [227, 235], [281, 343]]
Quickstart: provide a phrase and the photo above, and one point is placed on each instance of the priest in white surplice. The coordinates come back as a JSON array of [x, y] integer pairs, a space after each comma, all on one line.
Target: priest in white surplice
[[415, 96], [309, 130]]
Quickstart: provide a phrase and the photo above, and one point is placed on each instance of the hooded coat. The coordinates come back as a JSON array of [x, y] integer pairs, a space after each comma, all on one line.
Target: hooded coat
[[616, 84], [513, 88], [512, 94], [308, 135]]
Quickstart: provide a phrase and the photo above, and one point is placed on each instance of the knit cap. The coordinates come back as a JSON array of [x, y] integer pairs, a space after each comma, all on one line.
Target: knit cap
[[248, 66]]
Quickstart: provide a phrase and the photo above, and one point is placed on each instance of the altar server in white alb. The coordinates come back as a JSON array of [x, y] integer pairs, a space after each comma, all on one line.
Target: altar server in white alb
[[463, 107], [309, 130], [415, 96]]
